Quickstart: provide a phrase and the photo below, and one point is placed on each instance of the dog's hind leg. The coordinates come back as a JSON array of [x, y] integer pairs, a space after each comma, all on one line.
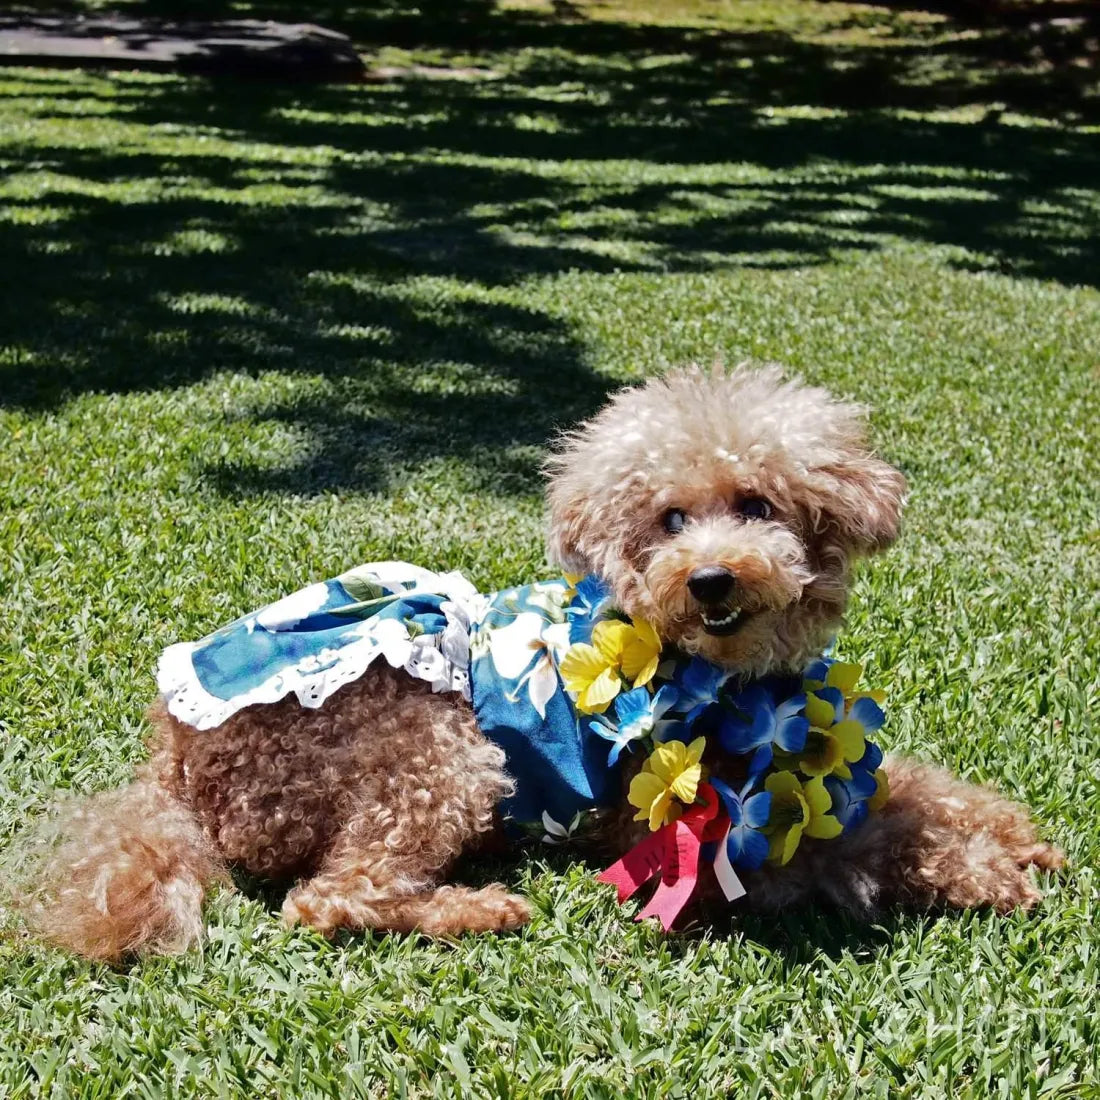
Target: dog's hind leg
[[327, 903], [414, 814]]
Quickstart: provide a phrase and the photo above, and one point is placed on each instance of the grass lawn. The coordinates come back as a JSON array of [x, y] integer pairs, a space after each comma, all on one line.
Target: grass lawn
[[251, 335]]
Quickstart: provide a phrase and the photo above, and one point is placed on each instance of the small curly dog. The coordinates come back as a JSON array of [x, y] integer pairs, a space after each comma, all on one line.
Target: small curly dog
[[727, 509]]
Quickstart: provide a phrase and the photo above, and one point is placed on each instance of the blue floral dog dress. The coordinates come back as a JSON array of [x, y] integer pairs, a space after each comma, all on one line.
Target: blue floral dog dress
[[500, 651]]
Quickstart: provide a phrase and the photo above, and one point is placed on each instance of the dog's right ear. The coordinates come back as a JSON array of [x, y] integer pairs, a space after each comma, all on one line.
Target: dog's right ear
[[589, 474], [569, 510]]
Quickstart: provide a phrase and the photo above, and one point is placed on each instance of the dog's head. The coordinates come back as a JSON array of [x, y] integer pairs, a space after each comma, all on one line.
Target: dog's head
[[726, 509]]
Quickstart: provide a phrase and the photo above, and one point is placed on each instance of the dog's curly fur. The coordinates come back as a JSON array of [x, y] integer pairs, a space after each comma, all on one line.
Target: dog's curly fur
[[369, 799]]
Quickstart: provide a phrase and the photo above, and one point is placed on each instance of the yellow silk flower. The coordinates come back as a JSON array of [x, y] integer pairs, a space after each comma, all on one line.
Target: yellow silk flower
[[672, 771], [797, 808], [593, 673], [830, 747], [844, 677]]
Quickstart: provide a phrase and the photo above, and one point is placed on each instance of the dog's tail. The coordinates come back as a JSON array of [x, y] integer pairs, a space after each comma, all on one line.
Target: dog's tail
[[121, 873]]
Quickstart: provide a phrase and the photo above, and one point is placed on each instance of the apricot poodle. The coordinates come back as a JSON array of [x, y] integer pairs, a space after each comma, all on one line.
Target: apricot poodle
[[724, 508]]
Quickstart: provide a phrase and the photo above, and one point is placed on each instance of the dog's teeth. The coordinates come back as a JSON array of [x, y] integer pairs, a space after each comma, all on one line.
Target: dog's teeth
[[729, 619]]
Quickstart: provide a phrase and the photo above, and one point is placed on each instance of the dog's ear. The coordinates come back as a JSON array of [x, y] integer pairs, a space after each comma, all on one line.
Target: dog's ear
[[580, 535], [857, 502], [569, 510]]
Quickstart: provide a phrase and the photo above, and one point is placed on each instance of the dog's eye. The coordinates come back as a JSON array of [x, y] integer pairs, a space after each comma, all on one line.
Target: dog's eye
[[673, 521], [755, 508]]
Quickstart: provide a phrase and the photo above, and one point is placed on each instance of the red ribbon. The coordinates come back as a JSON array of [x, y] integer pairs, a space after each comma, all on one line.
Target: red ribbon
[[674, 852]]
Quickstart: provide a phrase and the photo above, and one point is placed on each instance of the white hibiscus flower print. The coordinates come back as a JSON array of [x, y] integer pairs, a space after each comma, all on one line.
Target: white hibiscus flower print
[[392, 638], [525, 640], [556, 832]]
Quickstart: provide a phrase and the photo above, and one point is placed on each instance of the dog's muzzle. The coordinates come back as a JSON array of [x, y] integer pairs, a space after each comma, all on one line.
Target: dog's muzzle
[[713, 587]]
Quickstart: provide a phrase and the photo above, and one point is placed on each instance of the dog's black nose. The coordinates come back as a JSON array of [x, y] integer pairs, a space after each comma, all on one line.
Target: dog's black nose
[[711, 583]]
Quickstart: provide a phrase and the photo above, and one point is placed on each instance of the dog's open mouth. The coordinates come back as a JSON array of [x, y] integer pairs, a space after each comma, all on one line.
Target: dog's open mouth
[[723, 620]]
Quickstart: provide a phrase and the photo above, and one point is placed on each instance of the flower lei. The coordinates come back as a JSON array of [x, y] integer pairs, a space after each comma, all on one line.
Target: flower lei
[[808, 767]]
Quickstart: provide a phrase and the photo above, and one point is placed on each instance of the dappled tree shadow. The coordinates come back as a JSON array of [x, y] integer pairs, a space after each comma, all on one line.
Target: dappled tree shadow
[[380, 257]]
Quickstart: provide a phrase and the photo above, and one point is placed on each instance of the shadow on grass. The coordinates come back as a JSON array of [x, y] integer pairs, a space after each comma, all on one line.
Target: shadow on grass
[[367, 237], [797, 935]]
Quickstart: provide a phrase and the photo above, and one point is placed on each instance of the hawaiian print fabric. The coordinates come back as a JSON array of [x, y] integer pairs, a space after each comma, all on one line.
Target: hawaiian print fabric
[[501, 651], [568, 687], [325, 636], [559, 764]]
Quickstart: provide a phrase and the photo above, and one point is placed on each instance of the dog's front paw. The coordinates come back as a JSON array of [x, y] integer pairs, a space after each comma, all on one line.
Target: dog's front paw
[[953, 843], [984, 872], [294, 913], [1042, 855]]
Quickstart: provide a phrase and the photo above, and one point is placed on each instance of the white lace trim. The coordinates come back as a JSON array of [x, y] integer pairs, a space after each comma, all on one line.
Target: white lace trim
[[442, 659]]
